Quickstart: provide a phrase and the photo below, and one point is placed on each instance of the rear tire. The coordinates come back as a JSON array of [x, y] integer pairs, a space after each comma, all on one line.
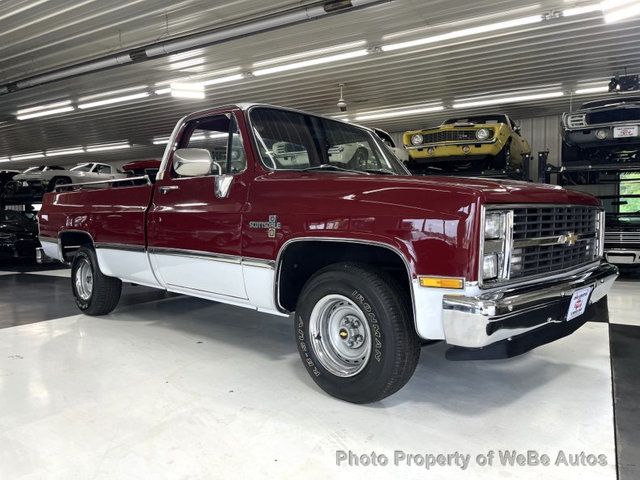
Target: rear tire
[[94, 292], [55, 181], [355, 334]]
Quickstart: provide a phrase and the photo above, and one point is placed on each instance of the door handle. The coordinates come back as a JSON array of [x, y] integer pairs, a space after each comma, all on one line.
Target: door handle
[[166, 189]]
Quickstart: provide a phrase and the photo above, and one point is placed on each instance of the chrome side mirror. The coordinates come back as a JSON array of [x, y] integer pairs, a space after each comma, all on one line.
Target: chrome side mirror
[[194, 162]]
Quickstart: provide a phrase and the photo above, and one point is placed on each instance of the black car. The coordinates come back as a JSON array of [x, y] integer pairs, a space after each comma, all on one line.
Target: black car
[[6, 176], [603, 131], [18, 234]]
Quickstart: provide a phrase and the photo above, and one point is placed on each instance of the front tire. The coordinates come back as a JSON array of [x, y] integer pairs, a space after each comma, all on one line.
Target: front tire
[[355, 334], [94, 292]]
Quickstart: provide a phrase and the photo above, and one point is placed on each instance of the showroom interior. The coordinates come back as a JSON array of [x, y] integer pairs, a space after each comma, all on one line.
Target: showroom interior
[[432, 207]]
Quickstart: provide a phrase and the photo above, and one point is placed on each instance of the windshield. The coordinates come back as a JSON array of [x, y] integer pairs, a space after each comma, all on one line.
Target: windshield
[[290, 140], [83, 167]]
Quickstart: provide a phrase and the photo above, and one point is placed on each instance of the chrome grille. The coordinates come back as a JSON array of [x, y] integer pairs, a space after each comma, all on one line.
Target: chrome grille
[[620, 236], [458, 135], [548, 239]]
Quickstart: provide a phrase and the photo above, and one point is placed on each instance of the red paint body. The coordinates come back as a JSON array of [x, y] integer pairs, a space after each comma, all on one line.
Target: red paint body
[[432, 221]]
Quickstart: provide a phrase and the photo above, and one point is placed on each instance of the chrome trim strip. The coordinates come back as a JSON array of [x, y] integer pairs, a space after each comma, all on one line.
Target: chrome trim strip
[[100, 182], [220, 257], [508, 246], [258, 262], [120, 246], [235, 259]]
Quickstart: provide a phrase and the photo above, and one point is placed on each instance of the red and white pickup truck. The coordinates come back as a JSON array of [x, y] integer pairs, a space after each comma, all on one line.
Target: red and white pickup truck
[[283, 211]]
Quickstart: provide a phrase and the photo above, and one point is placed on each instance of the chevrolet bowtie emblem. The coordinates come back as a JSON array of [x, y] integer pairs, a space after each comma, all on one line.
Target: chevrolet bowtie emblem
[[568, 239]]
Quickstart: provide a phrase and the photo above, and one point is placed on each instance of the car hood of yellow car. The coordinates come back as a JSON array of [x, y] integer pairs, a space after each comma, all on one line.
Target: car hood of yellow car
[[459, 126]]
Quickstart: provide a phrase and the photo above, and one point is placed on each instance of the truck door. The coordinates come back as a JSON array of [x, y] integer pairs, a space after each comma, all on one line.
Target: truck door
[[194, 223]]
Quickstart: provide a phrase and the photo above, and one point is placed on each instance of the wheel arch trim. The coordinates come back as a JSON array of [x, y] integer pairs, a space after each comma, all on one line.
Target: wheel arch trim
[[279, 260], [61, 247]]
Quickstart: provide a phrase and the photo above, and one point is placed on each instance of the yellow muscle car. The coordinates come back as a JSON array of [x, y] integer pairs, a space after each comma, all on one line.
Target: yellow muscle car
[[480, 143]]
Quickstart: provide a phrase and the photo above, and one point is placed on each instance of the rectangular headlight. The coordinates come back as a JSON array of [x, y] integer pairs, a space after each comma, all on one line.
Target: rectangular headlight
[[494, 225], [497, 244], [490, 266]]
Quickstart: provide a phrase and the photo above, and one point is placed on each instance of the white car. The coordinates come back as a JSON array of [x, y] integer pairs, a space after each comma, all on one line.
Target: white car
[[50, 176]]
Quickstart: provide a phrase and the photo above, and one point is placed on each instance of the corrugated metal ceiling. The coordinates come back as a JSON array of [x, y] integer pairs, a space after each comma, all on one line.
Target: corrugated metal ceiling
[[558, 53]]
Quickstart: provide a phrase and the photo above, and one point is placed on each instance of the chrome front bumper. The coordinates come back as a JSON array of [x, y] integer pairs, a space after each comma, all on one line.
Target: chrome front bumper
[[622, 256], [479, 321]]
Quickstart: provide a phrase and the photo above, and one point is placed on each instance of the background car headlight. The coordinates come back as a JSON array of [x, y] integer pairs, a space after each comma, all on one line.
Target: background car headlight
[[494, 225], [417, 139], [482, 134], [490, 266], [601, 134]]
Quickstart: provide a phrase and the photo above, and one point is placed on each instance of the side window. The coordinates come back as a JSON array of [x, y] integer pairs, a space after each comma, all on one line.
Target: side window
[[103, 169], [221, 137], [285, 139]]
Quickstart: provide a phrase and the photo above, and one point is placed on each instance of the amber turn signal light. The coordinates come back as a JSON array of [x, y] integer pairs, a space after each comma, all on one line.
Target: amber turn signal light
[[441, 282]]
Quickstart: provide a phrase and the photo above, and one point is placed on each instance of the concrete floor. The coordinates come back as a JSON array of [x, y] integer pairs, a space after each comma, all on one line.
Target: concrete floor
[[175, 387]]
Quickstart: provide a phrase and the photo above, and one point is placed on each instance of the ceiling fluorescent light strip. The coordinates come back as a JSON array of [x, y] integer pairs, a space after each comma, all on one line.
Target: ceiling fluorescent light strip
[[199, 76], [311, 62], [572, 12], [498, 14], [47, 106], [161, 140], [44, 113], [226, 79], [466, 32], [623, 13], [400, 112], [112, 93], [192, 62], [480, 102], [183, 55], [109, 101], [63, 151], [108, 146], [310, 53], [4, 159], [588, 90], [187, 90], [27, 156]]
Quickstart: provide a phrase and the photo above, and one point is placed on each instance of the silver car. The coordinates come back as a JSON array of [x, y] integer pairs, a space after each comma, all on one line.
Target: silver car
[[46, 178]]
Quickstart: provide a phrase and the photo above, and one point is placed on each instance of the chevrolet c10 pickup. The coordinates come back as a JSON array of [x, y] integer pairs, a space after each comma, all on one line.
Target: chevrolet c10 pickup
[[291, 213]]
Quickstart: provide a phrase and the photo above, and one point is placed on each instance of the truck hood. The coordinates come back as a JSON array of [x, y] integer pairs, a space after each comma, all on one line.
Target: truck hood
[[412, 195], [488, 191], [512, 191]]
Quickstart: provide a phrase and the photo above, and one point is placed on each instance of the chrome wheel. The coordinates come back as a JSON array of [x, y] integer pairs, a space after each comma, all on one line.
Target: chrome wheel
[[340, 335], [84, 280]]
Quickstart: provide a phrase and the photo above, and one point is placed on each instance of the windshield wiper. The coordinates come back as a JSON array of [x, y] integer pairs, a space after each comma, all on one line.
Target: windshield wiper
[[378, 171]]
